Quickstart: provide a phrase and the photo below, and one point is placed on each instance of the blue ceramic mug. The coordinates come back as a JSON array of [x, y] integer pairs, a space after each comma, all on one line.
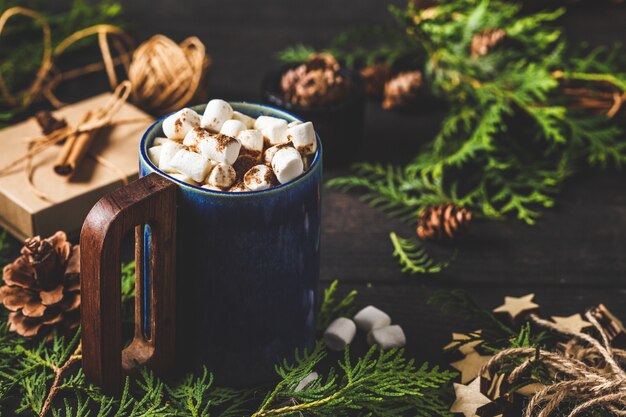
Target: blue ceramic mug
[[226, 280]]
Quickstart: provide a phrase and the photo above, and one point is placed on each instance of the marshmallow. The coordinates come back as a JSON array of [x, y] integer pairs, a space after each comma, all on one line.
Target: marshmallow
[[238, 188], [154, 153], [222, 176], [306, 381], [302, 136], [273, 128], [168, 150], [178, 124], [216, 113], [245, 119], [220, 148], [340, 333], [287, 164], [194, 136], [276, 133], [194, 165], [232, 128], [251, 140], [371, 318], [183, 178], [211, 187], [159, 141], [387, 337], [269, 153], [259, 177], [262, 122], [294, 123]]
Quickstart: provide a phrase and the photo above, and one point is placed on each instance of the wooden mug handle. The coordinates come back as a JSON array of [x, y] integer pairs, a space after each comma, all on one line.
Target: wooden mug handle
[[149, 200]]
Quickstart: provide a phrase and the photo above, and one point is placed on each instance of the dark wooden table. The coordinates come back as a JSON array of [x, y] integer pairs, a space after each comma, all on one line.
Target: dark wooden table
[[573, 258]]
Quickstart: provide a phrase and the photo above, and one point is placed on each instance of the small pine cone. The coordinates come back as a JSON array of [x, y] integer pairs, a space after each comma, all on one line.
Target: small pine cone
[[42, 287], [483, 42], [443, 221], [375, 77], [402, 89]]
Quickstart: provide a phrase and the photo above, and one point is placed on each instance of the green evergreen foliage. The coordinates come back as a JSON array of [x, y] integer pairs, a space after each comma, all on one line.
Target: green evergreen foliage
[[510, 136], [413, 257], [381, 383]]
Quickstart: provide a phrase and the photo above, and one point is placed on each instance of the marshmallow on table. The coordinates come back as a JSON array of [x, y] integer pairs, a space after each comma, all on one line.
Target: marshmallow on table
[[306, 381], [184, 178], [178, 124], [251, 140], [154, 153], [302, 135], [387, 337], [259, 177], [220, 148], [194, 136], [193, 165], [273, 128], [232, 128], [221, 176], [159, 141], [245, 119], [287, 164], [168, 150], [371, 318], [215, 114], [269, 153], [340, 333]]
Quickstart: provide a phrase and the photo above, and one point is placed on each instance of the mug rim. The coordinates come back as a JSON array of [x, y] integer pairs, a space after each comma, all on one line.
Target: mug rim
[[143, 154]]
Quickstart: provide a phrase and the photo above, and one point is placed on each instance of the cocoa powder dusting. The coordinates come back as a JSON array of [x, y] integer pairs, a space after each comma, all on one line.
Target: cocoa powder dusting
[[222, 141]]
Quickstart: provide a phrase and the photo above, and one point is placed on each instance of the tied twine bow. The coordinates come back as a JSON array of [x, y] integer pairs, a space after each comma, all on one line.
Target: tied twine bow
[[99, 118], [589, 373]]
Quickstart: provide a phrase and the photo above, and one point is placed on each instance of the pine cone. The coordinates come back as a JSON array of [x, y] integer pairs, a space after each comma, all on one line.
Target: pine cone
[[402, 89], [486, 40], [375, 77], [443, 221], [42, 287], [316, 82]]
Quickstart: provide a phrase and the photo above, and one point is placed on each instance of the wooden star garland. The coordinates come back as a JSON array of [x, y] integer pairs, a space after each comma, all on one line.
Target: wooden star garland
[[573, 323], [470, 365], [468, 398], [514, 306]]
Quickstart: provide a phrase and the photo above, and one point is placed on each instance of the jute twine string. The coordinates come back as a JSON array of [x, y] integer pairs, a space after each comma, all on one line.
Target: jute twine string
[[48, 76], [580, 377], [166, 76], [99, 118]]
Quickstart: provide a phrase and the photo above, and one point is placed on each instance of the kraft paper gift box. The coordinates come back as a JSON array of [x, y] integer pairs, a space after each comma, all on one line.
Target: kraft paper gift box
[[24, 214]]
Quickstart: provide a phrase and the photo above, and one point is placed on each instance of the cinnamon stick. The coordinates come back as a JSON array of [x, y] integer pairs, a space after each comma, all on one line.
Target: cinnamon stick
[[73, 151]]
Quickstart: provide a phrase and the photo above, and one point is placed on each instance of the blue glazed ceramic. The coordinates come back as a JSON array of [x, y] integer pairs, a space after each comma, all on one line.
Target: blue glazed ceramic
[[248, 269]]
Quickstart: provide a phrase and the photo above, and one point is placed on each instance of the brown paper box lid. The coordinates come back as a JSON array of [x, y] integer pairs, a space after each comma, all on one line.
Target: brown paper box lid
[[25, 214]]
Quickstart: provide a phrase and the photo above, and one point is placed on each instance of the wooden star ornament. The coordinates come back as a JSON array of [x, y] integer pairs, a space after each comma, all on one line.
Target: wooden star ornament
[[459, 340], [573, 323], [468, 398], [514, 306], [470, 365]]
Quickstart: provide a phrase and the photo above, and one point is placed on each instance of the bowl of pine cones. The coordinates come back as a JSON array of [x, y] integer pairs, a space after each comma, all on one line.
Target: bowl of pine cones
[[331, 97]]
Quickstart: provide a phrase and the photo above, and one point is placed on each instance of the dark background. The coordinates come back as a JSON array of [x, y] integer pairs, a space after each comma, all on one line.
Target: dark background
[[573, 258]]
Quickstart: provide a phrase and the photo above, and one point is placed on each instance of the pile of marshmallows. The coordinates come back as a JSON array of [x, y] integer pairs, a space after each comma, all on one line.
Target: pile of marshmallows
[[224, 150], [376, 323]]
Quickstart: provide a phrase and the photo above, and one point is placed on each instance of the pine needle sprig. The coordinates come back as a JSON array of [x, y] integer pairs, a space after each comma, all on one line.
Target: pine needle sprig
[[330, 309], [413, 257], [381, 383]]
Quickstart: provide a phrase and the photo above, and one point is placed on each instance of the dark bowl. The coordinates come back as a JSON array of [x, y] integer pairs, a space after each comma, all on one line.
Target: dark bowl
[[340, 124]]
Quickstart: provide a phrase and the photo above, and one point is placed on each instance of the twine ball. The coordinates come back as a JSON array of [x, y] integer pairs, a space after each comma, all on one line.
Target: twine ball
[[167, 76]]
